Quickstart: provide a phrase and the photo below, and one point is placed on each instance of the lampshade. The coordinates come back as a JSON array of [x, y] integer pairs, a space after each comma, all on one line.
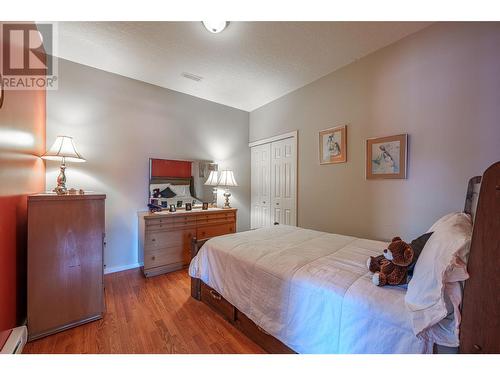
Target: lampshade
[[213, 179], [63, 148], [227, 179]]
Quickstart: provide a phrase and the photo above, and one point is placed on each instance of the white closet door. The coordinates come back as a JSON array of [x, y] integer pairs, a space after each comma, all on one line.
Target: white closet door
[[261, 184], [284, 181]]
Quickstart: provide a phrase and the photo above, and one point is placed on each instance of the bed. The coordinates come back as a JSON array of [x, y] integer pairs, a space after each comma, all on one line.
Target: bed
[[298, 290]]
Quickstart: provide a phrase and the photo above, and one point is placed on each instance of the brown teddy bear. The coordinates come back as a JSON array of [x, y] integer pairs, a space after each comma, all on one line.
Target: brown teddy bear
[[392, 267]]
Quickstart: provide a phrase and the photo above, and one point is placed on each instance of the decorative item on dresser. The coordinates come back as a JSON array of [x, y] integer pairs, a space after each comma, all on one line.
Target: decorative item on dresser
[[213, 180], [227, 180], [65, 261], [165, 237], [63, 150]]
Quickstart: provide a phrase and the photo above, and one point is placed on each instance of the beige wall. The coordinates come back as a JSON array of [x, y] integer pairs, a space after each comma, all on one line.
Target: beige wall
[[119, 123], [441, 86]]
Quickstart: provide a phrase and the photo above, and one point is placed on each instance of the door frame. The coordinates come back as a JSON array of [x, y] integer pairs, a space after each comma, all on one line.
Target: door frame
[[292, 134]]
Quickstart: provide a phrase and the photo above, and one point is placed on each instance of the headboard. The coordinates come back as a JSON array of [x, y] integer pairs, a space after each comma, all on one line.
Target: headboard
[[472, 196], [480, 326]]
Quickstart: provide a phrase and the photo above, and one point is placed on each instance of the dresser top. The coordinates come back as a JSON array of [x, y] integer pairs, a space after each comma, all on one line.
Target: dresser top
[[196, 211], [51, 196]]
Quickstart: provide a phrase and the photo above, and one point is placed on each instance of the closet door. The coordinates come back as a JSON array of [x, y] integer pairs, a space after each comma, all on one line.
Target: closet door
[[284, 181], [261, 183]]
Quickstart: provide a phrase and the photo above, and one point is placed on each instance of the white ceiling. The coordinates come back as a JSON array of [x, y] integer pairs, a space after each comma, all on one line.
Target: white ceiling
[[246, 66]]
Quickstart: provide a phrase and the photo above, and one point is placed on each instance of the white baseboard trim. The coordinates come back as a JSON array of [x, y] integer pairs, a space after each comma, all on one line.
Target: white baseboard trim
[[121, 268], [16, 341]]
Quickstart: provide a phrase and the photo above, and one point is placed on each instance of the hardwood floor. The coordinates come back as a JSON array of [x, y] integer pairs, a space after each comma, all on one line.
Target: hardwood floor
[[155, 315]]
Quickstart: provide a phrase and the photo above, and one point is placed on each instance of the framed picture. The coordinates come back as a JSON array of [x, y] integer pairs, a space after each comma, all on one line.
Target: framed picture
[[205, 206], [179, 204], [188, 207], [333, 145], [172, 208], [386, 157]]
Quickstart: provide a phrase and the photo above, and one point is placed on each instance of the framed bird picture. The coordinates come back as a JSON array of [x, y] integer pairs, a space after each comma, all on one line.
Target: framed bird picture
[[386, 157], [333, 145]]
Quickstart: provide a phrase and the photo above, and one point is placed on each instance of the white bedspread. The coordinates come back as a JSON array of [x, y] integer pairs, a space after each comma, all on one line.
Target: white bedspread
[[309, 289]]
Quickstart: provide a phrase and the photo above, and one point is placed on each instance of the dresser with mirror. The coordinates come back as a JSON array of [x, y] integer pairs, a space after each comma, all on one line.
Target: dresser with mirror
[[177, 193]]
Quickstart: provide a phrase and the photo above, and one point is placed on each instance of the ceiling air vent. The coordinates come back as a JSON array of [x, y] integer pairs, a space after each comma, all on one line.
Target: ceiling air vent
[[192, 77]]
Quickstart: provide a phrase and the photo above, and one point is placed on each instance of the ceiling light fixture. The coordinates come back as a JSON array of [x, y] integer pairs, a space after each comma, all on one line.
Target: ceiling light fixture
[[215, 26]]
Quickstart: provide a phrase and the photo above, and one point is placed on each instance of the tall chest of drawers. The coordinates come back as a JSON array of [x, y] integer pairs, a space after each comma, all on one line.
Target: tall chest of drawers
[[165, 237], [65, 261]]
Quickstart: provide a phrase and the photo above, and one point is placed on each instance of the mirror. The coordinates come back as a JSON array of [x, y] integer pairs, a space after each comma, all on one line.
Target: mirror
[[177, 182]]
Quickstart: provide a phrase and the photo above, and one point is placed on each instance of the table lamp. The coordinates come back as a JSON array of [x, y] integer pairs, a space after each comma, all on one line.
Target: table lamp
[[227, 180], [64, 150], [213, 180]]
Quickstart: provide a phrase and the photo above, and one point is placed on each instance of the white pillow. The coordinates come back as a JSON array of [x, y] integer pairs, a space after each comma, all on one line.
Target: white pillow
[[441, 221], [180, 190], [442, 260]]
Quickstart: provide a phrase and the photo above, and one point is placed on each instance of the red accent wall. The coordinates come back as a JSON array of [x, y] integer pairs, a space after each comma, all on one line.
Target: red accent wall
[[22, 141], [170, 168], [4, 335]]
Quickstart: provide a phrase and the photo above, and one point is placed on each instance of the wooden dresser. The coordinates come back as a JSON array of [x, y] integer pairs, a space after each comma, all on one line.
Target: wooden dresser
[[165, 237], [65, 261]]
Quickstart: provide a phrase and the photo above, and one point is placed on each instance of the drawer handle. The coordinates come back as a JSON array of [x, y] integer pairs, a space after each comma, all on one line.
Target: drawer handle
[[153, 239], [263, 331], [477, 348], [202, 233], [231, 229], [215, 295], [153, 258]]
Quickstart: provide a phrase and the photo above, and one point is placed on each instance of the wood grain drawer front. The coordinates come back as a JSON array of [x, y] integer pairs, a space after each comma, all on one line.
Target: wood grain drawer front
[[168, 247], [217, 302], [215, 230], [161, 257], [186, 220], [216, 218], [157, 240], [159, 223], [171, 224], [259, 335]]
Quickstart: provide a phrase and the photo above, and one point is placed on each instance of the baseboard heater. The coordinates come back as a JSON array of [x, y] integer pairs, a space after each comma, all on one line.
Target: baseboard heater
[[16, 341]]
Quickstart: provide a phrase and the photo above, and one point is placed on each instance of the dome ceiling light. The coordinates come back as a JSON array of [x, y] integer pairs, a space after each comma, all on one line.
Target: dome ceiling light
[[215, 27]]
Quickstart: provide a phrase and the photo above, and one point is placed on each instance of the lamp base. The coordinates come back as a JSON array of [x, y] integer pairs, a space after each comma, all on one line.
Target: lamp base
[[60, 189], [227, 194], [214, 197]]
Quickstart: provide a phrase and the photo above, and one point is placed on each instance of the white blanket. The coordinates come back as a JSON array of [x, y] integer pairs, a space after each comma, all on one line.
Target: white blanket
[[309, 289]]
